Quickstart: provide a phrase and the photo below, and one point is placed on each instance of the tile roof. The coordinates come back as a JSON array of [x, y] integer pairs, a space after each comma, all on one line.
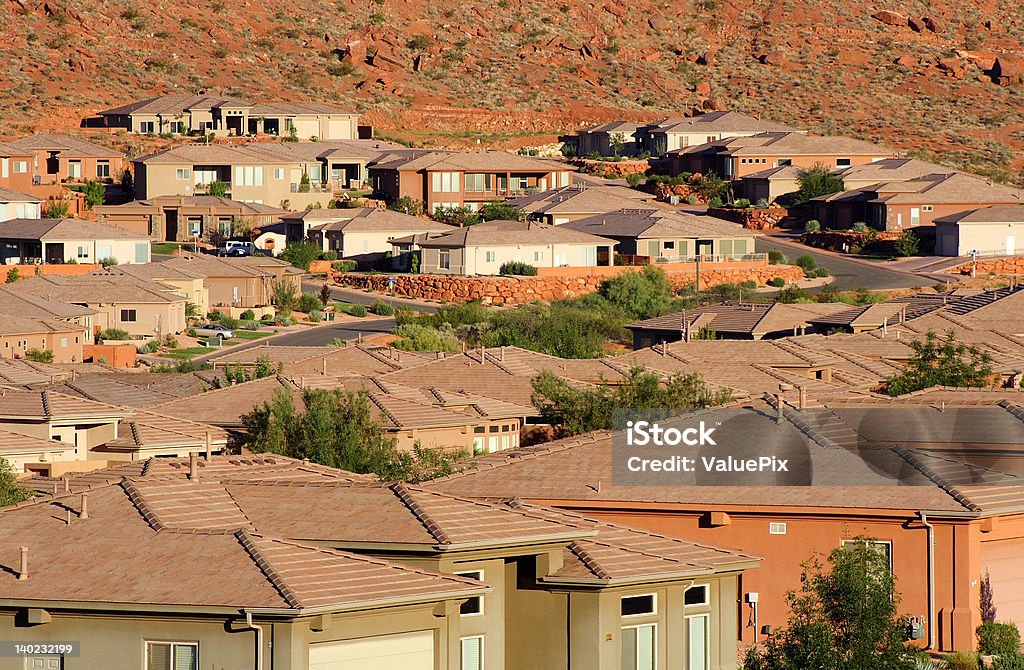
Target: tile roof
[[15, 301], [642, 223], [786, 143], [891, 169], [20, 372], [47, 405], [240, 569], [367, 219], [147, 430], [267, 153], [580, 468], [98, 288], [579, 199], [719, 122], [208, 203], [173, 104], [103, 388], [12, 443], [226, 406], [993, 214], [485, 161], [358, 359], [9, 195], [755, 319], [612, 127], [67, 145], [56, 230]]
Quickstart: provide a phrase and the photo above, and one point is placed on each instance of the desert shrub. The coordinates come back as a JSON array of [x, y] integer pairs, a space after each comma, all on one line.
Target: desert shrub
[[344, 266], [330, 255], [149, 347], [381, 308], [777, 282], [634, 179], [1008, 661], [308, 302], [762, 203], [812, 226], [358, 310], [806, 263], [518, 268], [248, 315], [39, 355], [741, 203], [998, 638], [819, 272], [776, 257], [112, 334], [965, 659]]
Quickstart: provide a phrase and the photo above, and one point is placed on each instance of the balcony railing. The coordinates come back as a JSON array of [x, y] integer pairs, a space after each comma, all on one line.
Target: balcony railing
[[630, 259]]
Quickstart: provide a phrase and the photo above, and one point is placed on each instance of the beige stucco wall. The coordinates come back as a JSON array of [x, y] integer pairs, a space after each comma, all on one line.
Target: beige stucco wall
[[473, 260], [65, 345], [988, 239], [170, 316], [157, 179]]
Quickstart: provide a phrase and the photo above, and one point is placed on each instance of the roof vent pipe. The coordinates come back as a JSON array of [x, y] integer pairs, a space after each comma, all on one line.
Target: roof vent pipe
[[23, 572], [193, 466], [84, 512], [778, 409]]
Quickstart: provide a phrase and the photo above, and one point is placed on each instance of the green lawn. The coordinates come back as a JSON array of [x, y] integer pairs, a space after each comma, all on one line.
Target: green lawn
[[242, 335], [165, 248], [187, 353]]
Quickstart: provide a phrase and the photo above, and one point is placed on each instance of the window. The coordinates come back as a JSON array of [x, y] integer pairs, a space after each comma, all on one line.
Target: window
[[172, 656], [473, 653], [5, 167], [147, 126], [881, 546], [474, 605], [478, 182], [669, 244], [444, 259], [843, 162], [181, 173], [777, 528], [538, 255], [82, 252], [63, 342], [20, 167], [278, 173], [478, 429], [638, 647], [697, 629], [129, 315], [785, 161], [638, 605], [489, 256], [927, 208], [177, 127], [696, 595], [444, 182], [102, 169]]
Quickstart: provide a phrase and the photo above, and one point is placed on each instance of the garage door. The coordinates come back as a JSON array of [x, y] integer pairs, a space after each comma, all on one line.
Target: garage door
[[1002, 559], [406, 651]]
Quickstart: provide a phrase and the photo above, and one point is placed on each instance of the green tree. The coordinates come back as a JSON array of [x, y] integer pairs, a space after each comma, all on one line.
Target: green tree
[[11, 491], [496, 210], [301, 254], [944, 362], [843, 618], [13, 275], [342, 430], [711, 187], [640, 294], [407, 205], [217, 188], [616, 141], [304, 183], [127, 181], [456, 216], [284, 295], [907, 244], [39, 355], [56, 209], [325, 294], [816, 181], [573, 410], [95, 193]]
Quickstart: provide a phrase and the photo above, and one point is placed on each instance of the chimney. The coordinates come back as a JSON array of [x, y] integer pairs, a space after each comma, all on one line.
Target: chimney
[[803, 397], [84, 512], [193, 466], [67, 484], [501, 355], [23, 572], [903, 313], [779, 409]]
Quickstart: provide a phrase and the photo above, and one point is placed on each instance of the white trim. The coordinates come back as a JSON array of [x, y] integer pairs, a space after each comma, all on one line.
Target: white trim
[[478, 575]]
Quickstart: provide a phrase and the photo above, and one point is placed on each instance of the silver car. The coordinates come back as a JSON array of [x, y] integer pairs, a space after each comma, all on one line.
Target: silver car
[[214, 329]]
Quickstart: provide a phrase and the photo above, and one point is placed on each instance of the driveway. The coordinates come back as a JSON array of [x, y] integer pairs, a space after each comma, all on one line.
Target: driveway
[[319, 336], [849, 274], [357, 297]]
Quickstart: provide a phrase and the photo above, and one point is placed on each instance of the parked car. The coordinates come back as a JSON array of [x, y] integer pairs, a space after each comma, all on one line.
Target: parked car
[[236, 248], [214, 329]]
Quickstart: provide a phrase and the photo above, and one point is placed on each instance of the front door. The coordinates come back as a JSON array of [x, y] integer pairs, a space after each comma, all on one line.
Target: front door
[[697, 629], [171, 225], [915, 216]]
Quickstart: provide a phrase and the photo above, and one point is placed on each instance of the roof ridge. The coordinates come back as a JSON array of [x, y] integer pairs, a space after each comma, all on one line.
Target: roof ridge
[[379, 356], [263, 563], [137, 498], [913, 459], [45, 398], [589, 561], [435, 530]]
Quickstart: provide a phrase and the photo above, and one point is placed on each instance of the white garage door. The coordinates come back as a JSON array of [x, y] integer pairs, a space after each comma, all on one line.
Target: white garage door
[[1002, 559], [405, 651]]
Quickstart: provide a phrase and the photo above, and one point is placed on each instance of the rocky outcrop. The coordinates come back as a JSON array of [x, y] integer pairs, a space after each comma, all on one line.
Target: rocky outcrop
[[522, 290], [765, 218], [890, 18], [1000, 267]]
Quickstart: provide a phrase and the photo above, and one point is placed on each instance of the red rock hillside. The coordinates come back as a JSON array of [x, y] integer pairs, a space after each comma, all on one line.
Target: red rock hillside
[[917, 75]]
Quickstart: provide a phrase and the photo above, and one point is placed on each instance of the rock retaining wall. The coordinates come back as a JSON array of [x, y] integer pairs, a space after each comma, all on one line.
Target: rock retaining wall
[[1002, 267], [520, 290], [765, 218]]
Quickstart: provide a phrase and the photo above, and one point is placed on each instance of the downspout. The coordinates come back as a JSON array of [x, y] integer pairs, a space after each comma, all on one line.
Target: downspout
[[931, 579], [259, 640]]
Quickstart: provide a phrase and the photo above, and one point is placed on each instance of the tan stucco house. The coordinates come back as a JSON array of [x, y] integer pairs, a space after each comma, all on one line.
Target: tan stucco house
[[483, 248], [361, 234], [25, 241], [987, 231]]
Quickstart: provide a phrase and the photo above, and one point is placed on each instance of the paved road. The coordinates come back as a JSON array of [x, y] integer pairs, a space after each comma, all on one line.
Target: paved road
[[363, 298], [849, 274], [318, 336]]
